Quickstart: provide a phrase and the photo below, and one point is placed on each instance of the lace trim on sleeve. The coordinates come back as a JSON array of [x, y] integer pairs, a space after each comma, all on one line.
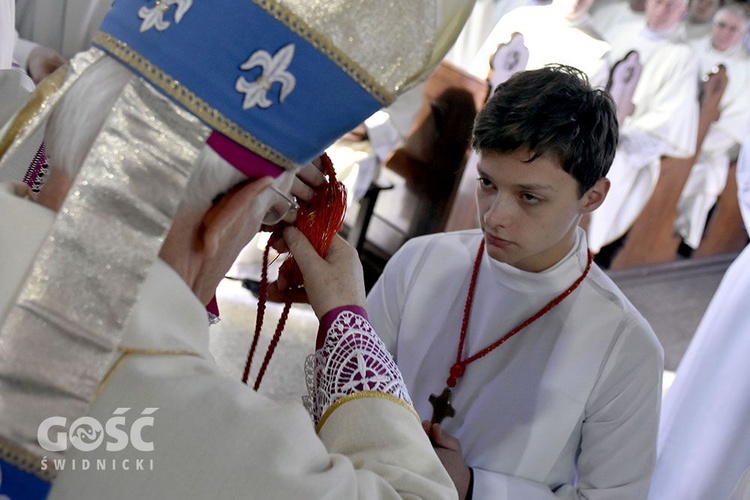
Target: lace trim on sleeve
[[352, 360]]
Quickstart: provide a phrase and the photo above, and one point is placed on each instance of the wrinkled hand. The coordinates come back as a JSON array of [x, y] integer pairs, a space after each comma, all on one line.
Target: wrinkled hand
[[307, 178], [302, 188], [448, 449], [43, 61], [330, 282]]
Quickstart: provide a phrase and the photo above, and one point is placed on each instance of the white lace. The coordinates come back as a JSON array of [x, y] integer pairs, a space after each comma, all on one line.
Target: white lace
[[353, 359]]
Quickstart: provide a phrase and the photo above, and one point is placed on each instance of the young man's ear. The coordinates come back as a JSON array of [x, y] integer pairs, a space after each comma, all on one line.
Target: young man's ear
[[594, 197], [228, 215]]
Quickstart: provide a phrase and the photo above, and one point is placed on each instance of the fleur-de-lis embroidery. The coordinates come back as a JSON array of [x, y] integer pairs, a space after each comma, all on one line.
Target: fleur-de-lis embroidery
[[273, 69], [153, 17]]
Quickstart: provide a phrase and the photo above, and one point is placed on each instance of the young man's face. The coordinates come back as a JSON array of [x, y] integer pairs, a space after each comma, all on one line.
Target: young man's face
[[528, 211]]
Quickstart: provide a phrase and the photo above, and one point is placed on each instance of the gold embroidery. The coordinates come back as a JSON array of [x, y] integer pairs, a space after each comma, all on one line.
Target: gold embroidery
[[128, 351], [323, 45], [363, 395], [37, 100], [192, 102]]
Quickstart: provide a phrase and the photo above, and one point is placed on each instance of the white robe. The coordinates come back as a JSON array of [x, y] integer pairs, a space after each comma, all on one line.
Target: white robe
[[704, 442], [584, 378], [15, 89], [665, 122], [212, 436], [549, 37], [709, 173], [742, 489], [7, 32], [64, 25], [479, 24], [695, 32], [743, 181], [609, 17]]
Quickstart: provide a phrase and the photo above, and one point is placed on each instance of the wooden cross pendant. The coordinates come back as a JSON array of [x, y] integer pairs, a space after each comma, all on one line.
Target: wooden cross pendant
[[441, 406]]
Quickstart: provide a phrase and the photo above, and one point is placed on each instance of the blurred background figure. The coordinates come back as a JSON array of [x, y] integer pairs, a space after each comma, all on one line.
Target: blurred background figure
[[708, 175], [664, 122], [697, 23], [66, 26]]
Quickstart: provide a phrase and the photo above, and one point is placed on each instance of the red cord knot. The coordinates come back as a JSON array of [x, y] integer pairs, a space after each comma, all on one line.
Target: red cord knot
[[457, 371]]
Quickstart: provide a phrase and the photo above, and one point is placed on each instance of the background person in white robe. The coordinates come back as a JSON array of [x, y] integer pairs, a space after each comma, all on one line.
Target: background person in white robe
[[560, 32], [66, 26], [218, 437], [709, 173], [567, 408], [697, 23], [704, 438], [482, 20], [37, 60], [15, 84], [7, 32], [609, 16], [664, 122]]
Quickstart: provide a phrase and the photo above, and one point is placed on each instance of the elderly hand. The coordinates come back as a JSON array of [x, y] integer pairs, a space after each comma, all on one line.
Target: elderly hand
[[330, 282], [300, 186], [448, 449], [43, 61], [307, 178]]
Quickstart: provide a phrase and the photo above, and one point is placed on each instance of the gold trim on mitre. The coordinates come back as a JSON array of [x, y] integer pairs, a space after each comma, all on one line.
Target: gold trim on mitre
[[364, 395], [197, 106], [325, 46]]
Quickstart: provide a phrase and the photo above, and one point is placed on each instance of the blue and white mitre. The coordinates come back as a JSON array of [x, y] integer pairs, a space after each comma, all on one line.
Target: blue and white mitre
[[293, 76]]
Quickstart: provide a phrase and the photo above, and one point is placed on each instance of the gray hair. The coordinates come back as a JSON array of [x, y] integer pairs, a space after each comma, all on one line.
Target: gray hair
[[76, 121], [734, 10]]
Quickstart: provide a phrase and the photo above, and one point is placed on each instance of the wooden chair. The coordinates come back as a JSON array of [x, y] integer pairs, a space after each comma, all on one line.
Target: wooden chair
[[424, 172], [508, 59], [725, 232], [652, 238]]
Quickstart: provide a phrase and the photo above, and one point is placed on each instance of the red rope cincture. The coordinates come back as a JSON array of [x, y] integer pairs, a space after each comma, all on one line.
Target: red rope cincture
[[319, 220], [459, 367]]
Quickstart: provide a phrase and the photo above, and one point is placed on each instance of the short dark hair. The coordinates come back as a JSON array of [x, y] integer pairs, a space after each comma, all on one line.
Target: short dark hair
[[554, 112]]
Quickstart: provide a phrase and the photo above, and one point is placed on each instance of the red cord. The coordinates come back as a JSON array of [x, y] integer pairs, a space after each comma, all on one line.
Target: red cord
[[319, 220], [459, 367]]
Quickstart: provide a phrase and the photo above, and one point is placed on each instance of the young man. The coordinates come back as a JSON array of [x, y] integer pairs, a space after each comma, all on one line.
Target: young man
[[568, 406]]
